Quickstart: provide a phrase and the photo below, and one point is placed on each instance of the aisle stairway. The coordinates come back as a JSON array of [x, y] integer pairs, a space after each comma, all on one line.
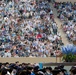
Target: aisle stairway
[[63, 35]]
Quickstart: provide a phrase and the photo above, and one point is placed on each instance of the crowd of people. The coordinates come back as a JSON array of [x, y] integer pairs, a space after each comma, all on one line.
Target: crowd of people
[[34, 69], [67, 14], [28, 28]]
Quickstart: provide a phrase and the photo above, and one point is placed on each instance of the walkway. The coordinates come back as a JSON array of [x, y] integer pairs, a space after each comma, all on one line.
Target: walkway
[[63, 35]]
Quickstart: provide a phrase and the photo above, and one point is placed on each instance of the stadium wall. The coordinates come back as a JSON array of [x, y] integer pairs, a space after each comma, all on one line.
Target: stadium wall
[[31, 60], [66, 1]]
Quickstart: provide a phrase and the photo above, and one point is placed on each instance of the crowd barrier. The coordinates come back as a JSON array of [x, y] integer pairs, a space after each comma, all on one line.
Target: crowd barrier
[[67, 65], [31, 60]]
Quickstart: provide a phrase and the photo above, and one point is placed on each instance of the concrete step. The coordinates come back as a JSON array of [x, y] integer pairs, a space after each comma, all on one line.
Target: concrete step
[[59, 23]]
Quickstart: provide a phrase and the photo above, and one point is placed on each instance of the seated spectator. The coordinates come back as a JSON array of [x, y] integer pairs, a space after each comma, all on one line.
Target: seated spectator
[[28, 29]]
